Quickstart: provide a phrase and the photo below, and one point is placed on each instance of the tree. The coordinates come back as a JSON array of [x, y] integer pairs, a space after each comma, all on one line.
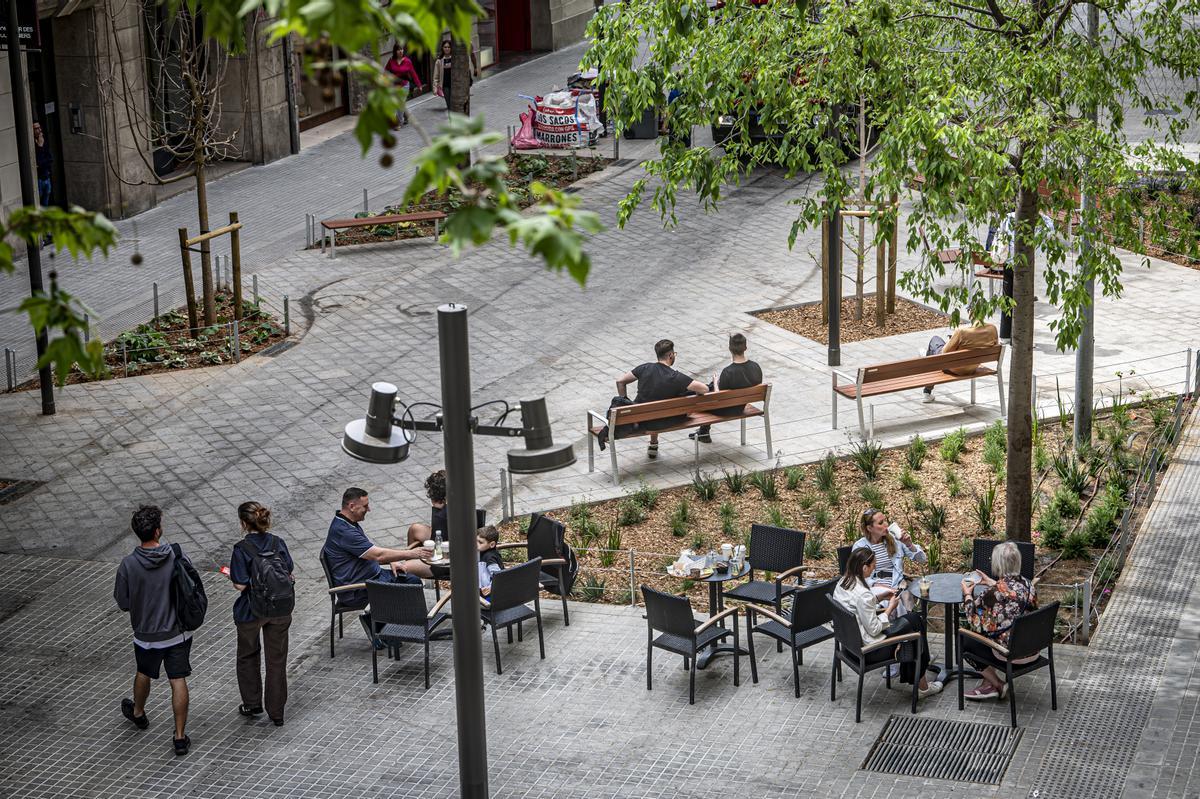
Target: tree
[[182, 118], [552, 231], [986, 102]]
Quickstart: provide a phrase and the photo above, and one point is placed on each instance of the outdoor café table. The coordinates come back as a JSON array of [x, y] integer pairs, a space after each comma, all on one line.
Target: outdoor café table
[[944, 589], [716, 604]]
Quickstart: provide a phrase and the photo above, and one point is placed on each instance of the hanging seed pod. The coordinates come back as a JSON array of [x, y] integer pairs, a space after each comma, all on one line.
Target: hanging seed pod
[[388, 141], [386, 160]]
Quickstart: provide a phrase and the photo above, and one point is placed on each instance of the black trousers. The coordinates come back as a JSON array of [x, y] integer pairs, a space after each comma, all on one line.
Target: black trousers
[[908, 623], [254, 639]]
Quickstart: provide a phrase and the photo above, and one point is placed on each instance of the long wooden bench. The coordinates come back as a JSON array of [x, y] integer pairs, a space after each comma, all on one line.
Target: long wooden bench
[[330, 227], [932, 370], [696, 410]]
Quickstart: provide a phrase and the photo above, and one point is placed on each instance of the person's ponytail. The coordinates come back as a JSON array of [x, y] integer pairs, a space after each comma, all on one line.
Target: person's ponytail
[[256, 518]]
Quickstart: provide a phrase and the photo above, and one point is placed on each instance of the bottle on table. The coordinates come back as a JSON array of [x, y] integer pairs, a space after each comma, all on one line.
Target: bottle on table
[[439, 549]]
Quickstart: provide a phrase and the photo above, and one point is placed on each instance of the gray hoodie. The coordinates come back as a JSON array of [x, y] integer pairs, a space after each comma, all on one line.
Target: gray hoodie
[[144, 590]]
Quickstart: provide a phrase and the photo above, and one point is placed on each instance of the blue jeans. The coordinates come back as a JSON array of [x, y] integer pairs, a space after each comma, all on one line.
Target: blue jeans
[[44, 188], [936, 344]]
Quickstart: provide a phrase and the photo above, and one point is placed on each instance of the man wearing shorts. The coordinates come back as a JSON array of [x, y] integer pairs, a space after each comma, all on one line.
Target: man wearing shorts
[[160, 644]]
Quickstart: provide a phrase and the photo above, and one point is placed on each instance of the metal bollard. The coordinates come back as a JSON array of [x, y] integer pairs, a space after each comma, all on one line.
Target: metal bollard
[[87, 328], [9, 368], [616, 146], [235, 341], [287, 320], [1187, 381], [124, 359], [155, 285], [1033, 394], [1086, 629], [632, 582], [504, 517], [307, 232], [254, 281], [366, 207]]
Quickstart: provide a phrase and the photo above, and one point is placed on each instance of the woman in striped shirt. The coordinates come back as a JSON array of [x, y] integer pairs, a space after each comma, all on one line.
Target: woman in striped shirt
[[890, 551]]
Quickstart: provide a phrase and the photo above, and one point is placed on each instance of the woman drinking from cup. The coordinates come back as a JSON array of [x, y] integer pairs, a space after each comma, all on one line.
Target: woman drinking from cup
[[992, 612], [890, 545]]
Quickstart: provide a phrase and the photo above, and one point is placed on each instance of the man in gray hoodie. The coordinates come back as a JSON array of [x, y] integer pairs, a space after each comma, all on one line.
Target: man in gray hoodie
[[144, 591]]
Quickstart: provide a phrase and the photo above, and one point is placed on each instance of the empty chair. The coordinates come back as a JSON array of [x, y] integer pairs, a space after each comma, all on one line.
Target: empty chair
[[804, 626], [546, 539], [682, 634], [843, 555], [508, 604], [342, 599], [981, 556], [773, 549], [861, 659], [1028, 636], [398, 615]]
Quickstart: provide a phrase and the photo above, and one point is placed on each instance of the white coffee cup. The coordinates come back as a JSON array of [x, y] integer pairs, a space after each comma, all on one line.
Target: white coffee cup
[[895, 530], [727, 551], [429, 545]]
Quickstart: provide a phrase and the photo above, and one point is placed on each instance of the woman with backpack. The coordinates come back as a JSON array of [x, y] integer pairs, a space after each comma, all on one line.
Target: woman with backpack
[[261, 569]]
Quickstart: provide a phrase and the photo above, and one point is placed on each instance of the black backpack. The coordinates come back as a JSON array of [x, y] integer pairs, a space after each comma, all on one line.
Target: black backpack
[[547, 538], [272, 592], [187, 592]]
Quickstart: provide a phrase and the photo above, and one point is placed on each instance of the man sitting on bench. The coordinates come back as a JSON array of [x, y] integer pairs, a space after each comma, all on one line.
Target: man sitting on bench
[[741, 373], [967, 337], [659, 381]]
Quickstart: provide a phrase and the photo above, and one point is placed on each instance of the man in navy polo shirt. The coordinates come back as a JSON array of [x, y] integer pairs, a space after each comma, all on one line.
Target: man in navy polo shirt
[[354, 558]]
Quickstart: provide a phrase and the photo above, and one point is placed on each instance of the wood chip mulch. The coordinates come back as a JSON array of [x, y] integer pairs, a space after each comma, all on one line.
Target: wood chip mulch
[[806, 320]]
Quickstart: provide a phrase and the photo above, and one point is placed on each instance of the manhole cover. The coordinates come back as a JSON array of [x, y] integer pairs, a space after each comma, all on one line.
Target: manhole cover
[[943, 750]]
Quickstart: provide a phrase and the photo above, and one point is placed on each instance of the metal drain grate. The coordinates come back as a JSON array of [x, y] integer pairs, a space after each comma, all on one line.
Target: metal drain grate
[[940, 749]]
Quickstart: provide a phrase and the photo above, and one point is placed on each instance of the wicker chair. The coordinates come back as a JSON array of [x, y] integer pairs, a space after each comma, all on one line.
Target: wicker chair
[[507, 604], [981, 556], [545, 540], [773, 549], [342, 599], [861, 659], [672, 616], [399, 615], [1029, 635], [803, 627]]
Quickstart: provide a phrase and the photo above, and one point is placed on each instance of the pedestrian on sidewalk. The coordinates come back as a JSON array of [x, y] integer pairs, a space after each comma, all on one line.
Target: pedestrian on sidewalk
[[405, 74], [144, 590], [261, 570], [442, 72]]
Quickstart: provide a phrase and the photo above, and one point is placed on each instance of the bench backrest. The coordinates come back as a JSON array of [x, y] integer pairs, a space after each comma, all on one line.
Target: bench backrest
[[663, 409], [959, 359]]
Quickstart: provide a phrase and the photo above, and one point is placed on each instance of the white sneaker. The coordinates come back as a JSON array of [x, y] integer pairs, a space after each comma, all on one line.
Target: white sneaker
[[928, 397], [935, 687]]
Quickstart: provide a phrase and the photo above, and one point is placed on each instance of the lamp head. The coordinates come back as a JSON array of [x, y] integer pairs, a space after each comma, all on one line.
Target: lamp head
[[540, 454], [374, 439]]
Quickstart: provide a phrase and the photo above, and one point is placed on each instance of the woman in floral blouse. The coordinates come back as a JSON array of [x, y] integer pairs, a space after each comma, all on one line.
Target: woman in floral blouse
[[992, 612]]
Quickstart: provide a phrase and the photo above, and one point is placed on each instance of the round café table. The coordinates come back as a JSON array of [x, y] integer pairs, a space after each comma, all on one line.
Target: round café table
[[716, 603], [944, 589]]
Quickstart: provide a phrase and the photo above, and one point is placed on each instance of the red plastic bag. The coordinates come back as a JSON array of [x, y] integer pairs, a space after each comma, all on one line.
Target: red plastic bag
[[524, 138]]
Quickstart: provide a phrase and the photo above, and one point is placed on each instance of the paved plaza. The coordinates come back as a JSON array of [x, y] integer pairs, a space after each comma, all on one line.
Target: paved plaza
[[579, 723]]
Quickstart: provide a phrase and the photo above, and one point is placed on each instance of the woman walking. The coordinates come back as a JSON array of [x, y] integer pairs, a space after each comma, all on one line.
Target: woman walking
[[405, 74], [442, 73], [261, 570]]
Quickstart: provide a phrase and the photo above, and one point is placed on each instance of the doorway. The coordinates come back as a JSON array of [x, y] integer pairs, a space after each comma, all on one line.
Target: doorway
[[43, 105], [513, 29]]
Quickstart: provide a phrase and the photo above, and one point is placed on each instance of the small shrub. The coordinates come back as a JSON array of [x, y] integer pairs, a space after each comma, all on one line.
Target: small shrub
[[735, 481], [932, 519], [867, 456], [806, 501], [766, 484], [1160, 414], [953, 486], [985, 510], [523, 523], [821, 517], [699, 542], [705, 488], [833, 497], [826, 472], [996, 434], [851, 531], [871, 495], [728, 518], [814, 546], [793, 476], [908, 480], [1106, 570], [1075, 546], [776, 517], [608, 555], [933, 553], [1101, 520], [680, 518], [953, 445], [1070, 473], [966, 551], [630, 513], [1067, 503], [994, 455], [646, 496], [914, 456], [591, 589], [1041, 458], [1052, 527]]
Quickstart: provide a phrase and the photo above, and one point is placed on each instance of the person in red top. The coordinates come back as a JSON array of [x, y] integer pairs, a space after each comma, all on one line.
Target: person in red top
[[405, 74]]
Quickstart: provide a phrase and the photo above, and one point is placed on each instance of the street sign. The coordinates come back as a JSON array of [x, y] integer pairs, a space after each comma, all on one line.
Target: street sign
[[28, 33]]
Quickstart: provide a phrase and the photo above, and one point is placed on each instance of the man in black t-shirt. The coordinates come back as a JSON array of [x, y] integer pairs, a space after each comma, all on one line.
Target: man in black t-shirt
[[742, 373], [659, 381]]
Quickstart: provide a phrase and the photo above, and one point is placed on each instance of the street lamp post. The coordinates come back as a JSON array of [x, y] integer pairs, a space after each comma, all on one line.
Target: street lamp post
[[381, 438]]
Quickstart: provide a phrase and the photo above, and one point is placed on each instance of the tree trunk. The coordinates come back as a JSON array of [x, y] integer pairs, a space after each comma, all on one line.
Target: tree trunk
[[206, 274], [1018, 509], [460, 78]]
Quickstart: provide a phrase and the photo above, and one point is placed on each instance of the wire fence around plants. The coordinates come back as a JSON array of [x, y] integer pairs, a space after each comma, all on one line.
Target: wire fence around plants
[[162, 303]]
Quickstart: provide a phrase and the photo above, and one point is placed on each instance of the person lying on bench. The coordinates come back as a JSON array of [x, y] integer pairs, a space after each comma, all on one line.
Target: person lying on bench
[[967, 337], [659, 381], [742, 373]]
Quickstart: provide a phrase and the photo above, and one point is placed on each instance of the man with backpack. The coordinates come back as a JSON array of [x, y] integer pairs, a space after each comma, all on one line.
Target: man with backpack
[[160, 589], [261, 569]]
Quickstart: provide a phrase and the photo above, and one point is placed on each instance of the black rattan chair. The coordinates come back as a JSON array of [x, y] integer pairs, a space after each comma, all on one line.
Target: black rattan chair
[[772, 549], [981, 556], [1029, 635], [680, 633], [803, 627], [507, 604], [546, 539], [843, 557], [342, 599], [399, 615], [861, 659]]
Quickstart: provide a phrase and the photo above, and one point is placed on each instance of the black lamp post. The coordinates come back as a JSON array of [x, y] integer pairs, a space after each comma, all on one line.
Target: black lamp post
[[381, 438]]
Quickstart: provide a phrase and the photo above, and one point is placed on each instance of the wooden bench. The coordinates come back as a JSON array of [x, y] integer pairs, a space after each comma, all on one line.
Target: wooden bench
[[330, 227], [697, 410], [886, 378]]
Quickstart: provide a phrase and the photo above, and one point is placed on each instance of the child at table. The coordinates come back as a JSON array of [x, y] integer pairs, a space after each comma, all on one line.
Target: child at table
[[490, 559]]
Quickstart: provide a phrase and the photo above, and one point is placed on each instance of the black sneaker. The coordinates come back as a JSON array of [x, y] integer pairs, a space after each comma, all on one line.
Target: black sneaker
[[141, 722], [278, 722], [250, 711], [182, 745], [703, 438]]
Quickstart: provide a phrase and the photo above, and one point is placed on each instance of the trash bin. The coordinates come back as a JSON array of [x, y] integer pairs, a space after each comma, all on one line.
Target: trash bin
[[646, 127]]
